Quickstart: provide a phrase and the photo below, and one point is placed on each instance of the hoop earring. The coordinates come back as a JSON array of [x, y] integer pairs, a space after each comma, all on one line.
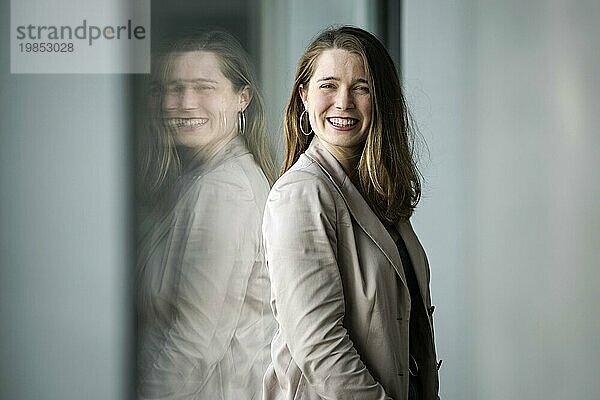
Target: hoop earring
[[241, 123], [301, 127]]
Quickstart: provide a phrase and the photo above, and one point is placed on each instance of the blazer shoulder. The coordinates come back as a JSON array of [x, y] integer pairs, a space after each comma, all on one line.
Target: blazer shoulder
[[232, 186], [302, 181], [237, 171], [304, 190]]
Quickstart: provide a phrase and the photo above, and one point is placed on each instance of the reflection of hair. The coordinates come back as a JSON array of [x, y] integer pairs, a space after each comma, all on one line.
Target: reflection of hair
[[160, 161], [389, 178]]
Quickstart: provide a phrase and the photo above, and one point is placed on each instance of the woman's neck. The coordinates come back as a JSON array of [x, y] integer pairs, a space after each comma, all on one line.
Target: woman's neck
[[348, 157]]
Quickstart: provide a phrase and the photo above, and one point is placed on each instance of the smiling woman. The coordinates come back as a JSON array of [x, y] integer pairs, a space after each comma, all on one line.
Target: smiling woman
[[338, 101], [349, 278], [200, 104], [203, 293]]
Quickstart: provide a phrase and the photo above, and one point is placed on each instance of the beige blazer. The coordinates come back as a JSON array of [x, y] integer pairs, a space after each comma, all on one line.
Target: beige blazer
[[338, 291], [206, 325]]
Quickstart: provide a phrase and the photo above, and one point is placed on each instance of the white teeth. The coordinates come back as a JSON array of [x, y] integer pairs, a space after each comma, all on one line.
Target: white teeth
[[343, 122], [186, 122]]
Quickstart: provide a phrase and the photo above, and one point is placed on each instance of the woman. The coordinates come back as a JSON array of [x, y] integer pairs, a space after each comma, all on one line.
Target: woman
[[205, 323], [349, 278]]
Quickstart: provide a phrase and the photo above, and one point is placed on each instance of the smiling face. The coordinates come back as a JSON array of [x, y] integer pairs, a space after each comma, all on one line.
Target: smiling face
[[338, 101], [200, 104]]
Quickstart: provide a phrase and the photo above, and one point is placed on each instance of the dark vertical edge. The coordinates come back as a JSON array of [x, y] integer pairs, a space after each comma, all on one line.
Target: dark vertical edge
[[253, 28], [389, 28], [135, 123]]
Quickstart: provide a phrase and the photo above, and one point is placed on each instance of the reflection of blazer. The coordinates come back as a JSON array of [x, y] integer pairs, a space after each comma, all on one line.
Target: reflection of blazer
[[203, 287], [339, 292]]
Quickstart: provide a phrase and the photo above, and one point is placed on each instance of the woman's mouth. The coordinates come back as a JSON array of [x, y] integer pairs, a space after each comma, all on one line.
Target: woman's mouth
[[342, 123], [186, 122]]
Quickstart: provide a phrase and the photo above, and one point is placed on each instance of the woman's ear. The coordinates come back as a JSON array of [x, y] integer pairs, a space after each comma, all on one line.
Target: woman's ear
[[245, 97], [303, 93]]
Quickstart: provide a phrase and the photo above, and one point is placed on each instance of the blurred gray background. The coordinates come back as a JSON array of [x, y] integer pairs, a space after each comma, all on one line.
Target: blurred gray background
[[506, 97]]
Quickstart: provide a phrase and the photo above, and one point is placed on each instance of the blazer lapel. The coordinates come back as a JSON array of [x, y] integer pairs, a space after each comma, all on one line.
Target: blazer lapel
[[417, 256], [360, 210]]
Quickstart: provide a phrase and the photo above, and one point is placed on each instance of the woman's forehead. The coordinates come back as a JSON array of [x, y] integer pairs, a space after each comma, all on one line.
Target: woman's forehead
[[339, 63]]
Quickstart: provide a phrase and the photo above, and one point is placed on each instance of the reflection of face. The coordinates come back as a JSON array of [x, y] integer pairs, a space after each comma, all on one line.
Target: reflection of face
[[200, 104], [338, 99]]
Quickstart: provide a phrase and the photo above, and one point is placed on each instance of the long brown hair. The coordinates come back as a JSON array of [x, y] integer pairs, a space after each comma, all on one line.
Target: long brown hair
[[159, 162], [389, 178]]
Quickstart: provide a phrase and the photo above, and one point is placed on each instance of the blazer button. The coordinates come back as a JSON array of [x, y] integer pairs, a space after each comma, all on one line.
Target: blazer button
[[398, 318]]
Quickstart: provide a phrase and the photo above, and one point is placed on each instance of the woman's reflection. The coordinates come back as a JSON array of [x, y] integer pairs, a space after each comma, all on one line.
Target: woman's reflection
[[205, 321]]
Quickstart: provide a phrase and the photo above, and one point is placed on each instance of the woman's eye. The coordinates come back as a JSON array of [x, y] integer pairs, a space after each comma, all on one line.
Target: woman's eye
[[201, 88], [362, 89], [175, 89], [327, 86]]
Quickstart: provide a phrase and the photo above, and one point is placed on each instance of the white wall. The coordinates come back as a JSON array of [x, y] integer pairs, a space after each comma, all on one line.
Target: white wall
[[506, 95], [65, 301]]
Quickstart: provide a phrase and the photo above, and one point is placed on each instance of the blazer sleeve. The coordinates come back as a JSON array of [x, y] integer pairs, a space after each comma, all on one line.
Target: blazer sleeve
[[214, 245], [299, 230]]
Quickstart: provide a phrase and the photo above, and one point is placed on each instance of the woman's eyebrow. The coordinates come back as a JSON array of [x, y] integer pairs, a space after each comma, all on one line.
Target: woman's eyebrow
[[333, 78], [199, 80], [328, 78]]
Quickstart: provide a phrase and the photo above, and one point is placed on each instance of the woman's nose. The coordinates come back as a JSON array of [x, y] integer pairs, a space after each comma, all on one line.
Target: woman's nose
[[188, 100], [344, 100], [182, 100]]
